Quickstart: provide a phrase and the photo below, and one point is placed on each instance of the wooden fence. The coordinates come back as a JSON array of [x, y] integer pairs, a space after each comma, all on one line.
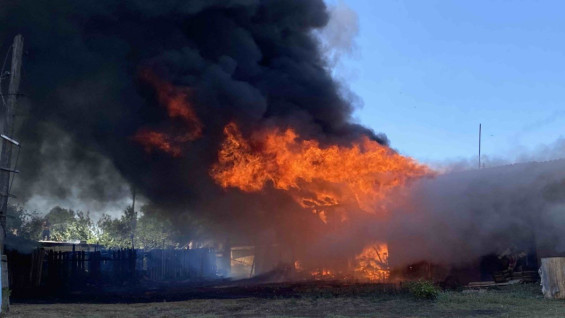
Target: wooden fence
[[68, 271], [165, 265]]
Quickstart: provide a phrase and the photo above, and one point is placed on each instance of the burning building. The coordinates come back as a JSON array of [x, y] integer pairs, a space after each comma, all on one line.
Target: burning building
[[226, 112]]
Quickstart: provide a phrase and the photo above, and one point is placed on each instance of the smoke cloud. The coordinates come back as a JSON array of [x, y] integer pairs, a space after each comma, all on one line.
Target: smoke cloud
[[338, 36], [255, 63], [460, 216], [457, 217]]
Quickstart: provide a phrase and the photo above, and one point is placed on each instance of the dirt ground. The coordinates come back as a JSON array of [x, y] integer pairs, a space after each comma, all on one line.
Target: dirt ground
[[512, 301]]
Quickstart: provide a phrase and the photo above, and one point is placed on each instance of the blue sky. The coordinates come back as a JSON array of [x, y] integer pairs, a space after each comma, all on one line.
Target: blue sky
[[429, 72]]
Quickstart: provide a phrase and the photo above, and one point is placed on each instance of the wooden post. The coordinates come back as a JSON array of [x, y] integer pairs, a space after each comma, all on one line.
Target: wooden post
[[133, 219], [479, 146], [8, 131], [552, 273], [7, 143], [226, 259]]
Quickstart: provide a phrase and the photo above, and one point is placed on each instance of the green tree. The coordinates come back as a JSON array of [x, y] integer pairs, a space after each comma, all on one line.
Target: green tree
[[67, 225], [59, 220], [153, 232], [22, 223], [115, 233], [81, 228], [150, 230]]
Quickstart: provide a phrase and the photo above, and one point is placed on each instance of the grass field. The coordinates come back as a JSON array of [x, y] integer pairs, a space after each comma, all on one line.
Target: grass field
[[511, 301]]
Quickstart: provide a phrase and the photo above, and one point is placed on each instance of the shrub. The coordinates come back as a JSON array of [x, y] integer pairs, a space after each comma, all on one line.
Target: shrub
[[423, 289]]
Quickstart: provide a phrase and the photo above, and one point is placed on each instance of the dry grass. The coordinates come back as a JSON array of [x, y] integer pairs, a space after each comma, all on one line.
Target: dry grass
[[513, 301]]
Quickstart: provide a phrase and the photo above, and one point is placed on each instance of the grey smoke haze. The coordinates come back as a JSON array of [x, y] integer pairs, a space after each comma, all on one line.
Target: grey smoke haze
[[457, 217], [460, 216], [90, 183], [544, 151], [516, 199], [464, 213], [338, 36]]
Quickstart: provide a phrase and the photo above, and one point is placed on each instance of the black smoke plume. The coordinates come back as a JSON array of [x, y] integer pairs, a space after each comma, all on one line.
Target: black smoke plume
[[253, 62]]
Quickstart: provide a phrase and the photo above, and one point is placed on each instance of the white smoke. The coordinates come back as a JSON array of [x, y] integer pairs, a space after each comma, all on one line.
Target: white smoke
[[460, 216], [337, 38]]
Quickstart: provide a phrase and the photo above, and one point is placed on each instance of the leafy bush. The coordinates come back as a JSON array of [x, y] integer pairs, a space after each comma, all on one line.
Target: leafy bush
[[423, 289]]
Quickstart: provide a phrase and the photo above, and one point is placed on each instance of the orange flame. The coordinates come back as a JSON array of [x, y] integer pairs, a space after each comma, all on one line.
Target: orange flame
[[322, 273], [372, 262], [317, 177], [156, 140], [175, 100]]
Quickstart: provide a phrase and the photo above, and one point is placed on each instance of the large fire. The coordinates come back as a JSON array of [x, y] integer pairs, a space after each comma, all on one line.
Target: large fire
[[332, 181], [358, 176], [372, 262], [369, 265]]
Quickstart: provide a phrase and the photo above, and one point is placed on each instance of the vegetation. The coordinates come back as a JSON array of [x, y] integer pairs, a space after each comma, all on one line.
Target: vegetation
[[22, 223], [423, 289], [148, 229]]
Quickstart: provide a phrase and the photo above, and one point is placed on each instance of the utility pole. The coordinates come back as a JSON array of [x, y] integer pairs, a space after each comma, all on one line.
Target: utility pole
[[7, 136], [479, 146], [8, 133], [133, 219]]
